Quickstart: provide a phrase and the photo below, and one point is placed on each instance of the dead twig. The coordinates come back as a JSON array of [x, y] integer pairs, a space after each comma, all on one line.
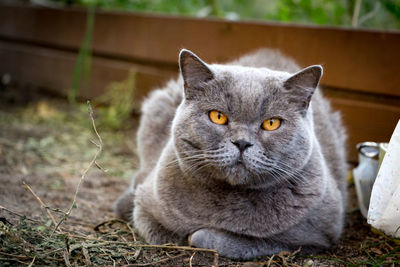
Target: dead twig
[[100, 149], [52, 251], [130, 244], [76, 246], [31, 264], [4, 259], [26, 186], [137, 253], [57, 210], [114, 263], [97, 227], [13, 255], [66, 258], [100, 168], [215, 261], [156, 262], [191, 259], [85, 253], [132, 232], [19, 215], [270, 260]]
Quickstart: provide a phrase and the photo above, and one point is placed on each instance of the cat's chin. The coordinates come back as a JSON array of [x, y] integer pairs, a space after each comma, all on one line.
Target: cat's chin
[[238, 174]]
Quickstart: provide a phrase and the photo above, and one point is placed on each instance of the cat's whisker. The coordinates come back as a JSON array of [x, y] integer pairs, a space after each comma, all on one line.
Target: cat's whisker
[[296, 174], [284, 174], [210, 154], [277, 163], [196, 171], [276, 176]]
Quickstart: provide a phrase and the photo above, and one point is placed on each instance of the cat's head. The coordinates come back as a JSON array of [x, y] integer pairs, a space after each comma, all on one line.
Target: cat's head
[[245, 126]]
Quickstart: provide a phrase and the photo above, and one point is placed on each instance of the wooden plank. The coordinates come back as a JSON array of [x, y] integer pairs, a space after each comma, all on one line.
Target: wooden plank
[[359, 60], [53, 69], [365, 118]]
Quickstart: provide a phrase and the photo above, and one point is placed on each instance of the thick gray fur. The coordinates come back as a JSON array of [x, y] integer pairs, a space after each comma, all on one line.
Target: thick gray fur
[[287, 190]]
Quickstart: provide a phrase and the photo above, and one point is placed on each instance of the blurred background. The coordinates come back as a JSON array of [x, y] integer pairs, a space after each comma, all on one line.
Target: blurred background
[[57, 54], [382, 14]]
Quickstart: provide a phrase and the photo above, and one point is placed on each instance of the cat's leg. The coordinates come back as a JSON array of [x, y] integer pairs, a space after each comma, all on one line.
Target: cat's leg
[[235, 246], [151, 230], [158, 112], [124, 205]]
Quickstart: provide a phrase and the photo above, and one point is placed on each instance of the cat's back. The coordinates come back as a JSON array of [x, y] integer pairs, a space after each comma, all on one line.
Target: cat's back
[[158, 111], [267, 58]]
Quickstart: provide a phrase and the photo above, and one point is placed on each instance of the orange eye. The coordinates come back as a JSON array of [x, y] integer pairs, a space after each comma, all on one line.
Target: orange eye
[[271, 124], [217, 117]]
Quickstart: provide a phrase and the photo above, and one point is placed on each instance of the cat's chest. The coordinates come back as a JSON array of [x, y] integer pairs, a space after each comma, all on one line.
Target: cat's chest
[[245, 211], [203, 202]]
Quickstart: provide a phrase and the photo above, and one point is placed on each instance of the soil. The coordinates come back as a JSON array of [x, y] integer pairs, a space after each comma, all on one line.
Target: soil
[[358, 246]]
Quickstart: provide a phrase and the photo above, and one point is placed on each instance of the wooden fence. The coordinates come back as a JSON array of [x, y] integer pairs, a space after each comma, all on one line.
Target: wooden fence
[[39, 45]]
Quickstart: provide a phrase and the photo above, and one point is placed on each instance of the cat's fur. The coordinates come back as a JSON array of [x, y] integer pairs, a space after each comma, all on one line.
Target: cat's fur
[[288, 192]]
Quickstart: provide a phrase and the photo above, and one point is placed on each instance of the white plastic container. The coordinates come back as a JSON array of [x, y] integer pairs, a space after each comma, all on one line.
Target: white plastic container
[[384, 208]]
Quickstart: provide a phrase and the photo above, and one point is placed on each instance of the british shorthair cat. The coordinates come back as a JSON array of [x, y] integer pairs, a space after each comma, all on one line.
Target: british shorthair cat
[[247, 158]]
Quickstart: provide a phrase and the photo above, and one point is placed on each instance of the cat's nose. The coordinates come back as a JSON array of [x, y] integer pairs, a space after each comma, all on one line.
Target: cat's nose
[[242, 144]]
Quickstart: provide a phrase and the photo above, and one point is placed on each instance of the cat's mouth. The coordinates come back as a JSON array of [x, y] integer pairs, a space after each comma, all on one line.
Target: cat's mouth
[[239, 162]]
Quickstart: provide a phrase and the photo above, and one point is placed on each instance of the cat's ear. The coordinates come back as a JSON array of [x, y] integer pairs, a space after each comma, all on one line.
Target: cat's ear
[[302, 85], [195, 72]]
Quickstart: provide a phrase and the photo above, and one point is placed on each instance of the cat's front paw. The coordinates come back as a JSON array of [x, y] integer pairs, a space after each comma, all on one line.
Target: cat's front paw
[[227, 245], [204, 238]]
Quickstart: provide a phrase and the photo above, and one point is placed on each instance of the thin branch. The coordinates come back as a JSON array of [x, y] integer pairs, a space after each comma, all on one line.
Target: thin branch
[[215, 262], [100, 149], [191, 259], [7, 259], [31, 264], [76, 246], [86, 255], [100, 168], [26, 186], [130, 244], [270, 260], [13, 255], [57, 210], [156, 262], [119, 221], [19, 215], [66, 258]]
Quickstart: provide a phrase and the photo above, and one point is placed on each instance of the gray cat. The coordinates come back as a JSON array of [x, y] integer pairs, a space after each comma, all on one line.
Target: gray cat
[[238, 158]]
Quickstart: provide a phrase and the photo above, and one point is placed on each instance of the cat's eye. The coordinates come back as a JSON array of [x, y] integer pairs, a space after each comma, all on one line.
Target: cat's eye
[[217, 117], [271, 124]]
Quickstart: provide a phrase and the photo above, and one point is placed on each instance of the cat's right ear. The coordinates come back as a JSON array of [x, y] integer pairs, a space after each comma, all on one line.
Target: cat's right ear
[[195, 72]]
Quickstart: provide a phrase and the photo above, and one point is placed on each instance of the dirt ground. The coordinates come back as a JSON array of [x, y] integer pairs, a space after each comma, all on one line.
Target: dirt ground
[[36, 152]]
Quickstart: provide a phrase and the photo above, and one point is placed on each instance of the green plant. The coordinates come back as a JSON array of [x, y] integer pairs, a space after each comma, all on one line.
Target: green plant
[[116, 104], [82, 68]]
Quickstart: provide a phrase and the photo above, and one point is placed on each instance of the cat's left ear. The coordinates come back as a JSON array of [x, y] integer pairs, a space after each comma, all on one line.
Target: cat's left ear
[[302, 85], [195, 72]]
